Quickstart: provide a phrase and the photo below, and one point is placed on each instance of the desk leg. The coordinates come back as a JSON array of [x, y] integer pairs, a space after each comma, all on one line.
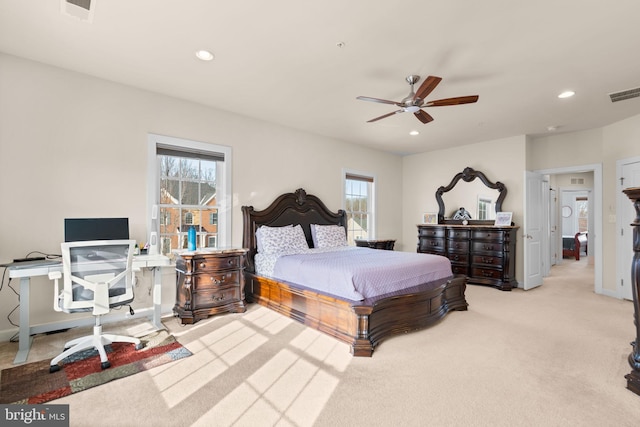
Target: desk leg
[[24, 334], [157, 298]]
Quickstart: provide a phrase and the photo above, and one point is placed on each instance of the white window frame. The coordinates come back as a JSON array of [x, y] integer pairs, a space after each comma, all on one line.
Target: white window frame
[[223, 188], [372, 225]]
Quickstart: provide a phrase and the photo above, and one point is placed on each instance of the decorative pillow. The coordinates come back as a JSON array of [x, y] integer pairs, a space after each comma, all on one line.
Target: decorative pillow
[[282, 239], [328, 236], [259, 232]]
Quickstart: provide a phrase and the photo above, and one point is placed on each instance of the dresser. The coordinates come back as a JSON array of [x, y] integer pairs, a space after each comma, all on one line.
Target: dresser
[[209, 282], [486, 254]]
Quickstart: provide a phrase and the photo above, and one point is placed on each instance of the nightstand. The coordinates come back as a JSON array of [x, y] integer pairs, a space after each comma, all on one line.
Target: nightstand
[[209, 282], [385, 244]]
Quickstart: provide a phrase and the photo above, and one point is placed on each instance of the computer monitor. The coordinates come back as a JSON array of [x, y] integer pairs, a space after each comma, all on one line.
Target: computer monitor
[[83, 229]]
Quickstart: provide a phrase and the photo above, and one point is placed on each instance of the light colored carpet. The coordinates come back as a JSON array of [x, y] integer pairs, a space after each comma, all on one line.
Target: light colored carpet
[[551, 356]]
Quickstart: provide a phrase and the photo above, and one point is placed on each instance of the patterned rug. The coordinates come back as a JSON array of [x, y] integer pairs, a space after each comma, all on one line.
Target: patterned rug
[[32, 383]]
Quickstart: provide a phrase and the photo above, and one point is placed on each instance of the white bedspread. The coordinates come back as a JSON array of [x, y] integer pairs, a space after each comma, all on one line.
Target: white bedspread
[[354, 273]]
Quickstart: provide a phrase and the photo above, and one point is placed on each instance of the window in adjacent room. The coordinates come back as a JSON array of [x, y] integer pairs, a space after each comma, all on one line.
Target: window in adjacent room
[[190, 185], [359, 205], [582, 208]]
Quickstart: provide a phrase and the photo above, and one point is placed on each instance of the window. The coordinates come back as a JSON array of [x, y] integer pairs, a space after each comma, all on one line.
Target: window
[[359, 205], [582, 208], [189, 182]]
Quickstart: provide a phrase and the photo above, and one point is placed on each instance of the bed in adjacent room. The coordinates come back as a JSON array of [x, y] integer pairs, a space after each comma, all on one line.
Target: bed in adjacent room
[[299, 265]]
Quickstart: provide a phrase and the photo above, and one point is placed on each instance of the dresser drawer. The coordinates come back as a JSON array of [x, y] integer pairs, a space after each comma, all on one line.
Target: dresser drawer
[[494, 247], [487, 260], [458, 246], [216, 263], [431, 232], [427, 245], [458, 234], [460, 258], [215, 280], [486, 273], [219, 296], [497, 235], [460, 269]]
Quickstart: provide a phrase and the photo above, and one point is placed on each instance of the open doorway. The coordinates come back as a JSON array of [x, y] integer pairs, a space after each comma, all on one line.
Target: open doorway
[[578, 182]]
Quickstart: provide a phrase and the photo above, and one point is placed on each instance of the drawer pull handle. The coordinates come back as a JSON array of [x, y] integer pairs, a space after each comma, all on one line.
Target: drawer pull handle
[[218, 298], [203, 264], [217, 281]]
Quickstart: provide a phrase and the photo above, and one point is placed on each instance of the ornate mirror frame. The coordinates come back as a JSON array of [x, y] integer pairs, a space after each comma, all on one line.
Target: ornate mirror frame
[[468, 175]]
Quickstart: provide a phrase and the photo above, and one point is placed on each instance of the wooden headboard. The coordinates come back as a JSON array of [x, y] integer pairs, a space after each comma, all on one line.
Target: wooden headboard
[[289, 208]]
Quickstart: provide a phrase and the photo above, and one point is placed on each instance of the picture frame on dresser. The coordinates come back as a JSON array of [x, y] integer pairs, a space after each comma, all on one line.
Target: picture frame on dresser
[[503, 218], [430, 218]]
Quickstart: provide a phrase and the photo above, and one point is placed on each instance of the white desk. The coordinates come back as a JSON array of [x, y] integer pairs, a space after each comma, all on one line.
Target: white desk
[[26, 272]]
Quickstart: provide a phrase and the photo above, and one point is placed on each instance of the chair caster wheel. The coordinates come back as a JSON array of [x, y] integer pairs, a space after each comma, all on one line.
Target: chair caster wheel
[[139, 346], [105, 365], [54, 368]]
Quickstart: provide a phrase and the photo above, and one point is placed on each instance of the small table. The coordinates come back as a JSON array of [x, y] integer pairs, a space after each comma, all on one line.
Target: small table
[[385, 244]]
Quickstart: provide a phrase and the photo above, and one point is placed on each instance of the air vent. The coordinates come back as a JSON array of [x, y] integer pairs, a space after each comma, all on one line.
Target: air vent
[[625, 94], [577, 181], [80, 9]]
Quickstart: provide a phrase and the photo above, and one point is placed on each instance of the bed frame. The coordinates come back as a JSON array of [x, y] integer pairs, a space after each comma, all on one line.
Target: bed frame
[[360, 324]]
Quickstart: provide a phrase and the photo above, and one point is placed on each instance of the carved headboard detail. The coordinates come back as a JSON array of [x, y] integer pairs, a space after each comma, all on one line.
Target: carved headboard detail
[[288, 209]]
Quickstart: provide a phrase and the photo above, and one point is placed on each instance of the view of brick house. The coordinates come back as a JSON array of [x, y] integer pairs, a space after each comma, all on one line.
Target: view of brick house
[[175, 221]]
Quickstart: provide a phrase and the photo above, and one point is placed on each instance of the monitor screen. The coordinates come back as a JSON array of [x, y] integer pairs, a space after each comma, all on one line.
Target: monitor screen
[[83, 229]]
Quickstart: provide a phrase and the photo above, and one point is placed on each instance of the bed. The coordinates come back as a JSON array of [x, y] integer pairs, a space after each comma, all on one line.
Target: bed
[[362, 324], [573, 246]]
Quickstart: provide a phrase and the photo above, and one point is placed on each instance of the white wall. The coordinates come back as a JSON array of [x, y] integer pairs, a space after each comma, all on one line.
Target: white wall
[[75, 146], [597, 146], [501, 160]]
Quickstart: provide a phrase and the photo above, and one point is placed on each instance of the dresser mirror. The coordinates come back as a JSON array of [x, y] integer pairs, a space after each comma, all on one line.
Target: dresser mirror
[[470, 197]]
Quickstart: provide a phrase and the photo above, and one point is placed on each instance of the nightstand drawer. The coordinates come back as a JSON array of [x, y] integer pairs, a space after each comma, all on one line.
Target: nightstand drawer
[[210, 297], [216, 263], [215, 280]]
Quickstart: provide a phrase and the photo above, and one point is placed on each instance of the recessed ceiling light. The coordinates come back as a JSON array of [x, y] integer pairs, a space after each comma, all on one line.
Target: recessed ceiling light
[[414, 133], [204, 55], [552, 128], [566, 94]]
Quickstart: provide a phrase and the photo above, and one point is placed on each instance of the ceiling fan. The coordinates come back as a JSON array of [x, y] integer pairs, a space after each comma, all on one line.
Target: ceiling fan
[[414, 102]]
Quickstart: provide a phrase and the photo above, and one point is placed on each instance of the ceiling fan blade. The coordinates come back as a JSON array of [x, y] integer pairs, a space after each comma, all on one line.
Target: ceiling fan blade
[[386, 115], [452, 101], [423, 116], [427, 87], [382, 101]]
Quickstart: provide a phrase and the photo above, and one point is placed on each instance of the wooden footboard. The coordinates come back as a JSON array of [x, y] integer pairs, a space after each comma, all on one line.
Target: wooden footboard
[[361, 324]]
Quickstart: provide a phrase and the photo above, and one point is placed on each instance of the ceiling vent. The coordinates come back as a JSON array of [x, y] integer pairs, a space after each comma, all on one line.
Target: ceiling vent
[[577, 181], [625, 94], [80, 9]]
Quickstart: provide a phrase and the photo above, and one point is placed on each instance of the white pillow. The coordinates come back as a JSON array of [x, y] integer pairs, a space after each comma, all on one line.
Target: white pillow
[[275, 240], [259, 232], [328, 236]]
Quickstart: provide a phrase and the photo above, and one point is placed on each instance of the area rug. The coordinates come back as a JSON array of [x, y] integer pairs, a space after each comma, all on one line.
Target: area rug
[[32, 383]]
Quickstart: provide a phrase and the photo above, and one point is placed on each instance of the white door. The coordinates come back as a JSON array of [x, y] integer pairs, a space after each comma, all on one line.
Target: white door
[[533, 227], [630, 175], [553, 227]]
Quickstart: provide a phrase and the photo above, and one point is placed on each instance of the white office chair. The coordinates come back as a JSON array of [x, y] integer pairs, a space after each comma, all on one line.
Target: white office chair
[[97, 277]]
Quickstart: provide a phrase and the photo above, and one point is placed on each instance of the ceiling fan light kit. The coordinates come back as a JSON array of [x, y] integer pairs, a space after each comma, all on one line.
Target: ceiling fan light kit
[[414, 102]]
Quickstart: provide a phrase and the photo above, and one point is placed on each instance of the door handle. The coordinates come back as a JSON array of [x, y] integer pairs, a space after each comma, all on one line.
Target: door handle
[[527, 236]]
